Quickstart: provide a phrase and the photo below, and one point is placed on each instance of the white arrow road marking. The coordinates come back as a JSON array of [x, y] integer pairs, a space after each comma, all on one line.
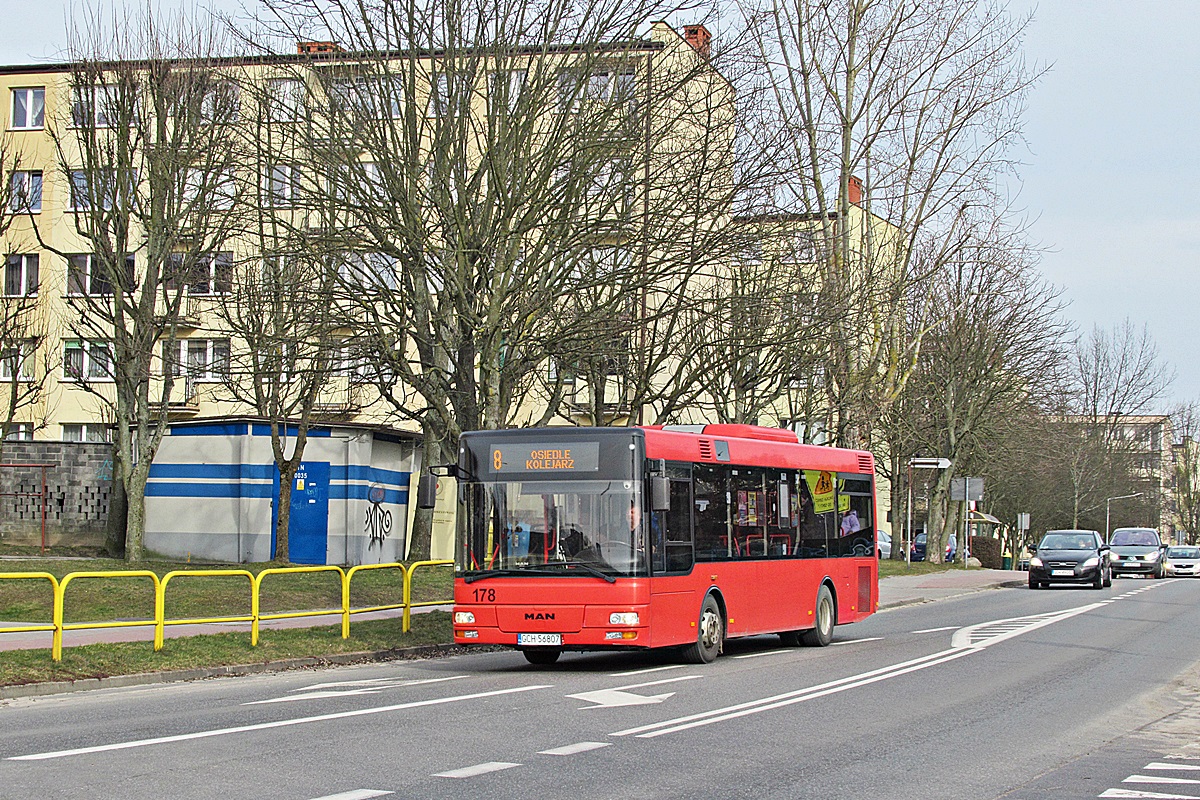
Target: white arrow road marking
[[309, 694], [356, 794], [1130, 794], [572, 749], [283, 723], [618, 696], [478, 769]]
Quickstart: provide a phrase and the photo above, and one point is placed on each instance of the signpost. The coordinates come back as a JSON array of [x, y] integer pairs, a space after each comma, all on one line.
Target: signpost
[[917, 463], [968, 491]]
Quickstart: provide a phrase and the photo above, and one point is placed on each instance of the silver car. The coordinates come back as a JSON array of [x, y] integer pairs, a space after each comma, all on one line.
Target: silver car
[[1182, 560], [883, 544]]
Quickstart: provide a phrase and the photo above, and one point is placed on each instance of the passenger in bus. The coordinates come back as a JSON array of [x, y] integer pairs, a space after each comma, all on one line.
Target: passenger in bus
[[850, 523]]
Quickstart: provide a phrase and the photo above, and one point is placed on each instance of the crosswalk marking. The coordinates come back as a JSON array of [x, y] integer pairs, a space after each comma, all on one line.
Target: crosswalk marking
[[1129, 794], [1160, 780], [356, 794]]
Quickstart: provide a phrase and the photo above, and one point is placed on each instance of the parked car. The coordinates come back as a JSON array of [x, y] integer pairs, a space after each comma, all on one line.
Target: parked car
[[1137, 551], [917, 551], [1181, 560], [883, 544], [1070, 556]]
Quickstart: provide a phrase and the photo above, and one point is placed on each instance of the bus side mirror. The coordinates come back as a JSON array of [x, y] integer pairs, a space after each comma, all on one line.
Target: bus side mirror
[[660, 493], [427, 490]]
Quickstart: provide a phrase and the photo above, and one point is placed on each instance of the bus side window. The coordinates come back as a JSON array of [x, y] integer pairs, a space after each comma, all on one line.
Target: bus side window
[[781, 524], [711, 513], [814, 527], [678, 544]]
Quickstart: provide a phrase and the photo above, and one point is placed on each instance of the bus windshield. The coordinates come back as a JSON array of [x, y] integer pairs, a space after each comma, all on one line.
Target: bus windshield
[[548, 527]]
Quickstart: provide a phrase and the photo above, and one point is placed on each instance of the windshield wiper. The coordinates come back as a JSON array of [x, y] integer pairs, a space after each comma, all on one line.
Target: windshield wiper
[[492, 573]]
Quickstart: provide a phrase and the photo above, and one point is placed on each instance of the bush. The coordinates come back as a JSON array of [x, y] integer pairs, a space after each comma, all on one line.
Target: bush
[[988, 551]]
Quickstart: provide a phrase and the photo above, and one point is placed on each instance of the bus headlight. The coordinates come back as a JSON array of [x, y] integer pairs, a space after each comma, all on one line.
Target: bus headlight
[[464, 618], [623, 618]]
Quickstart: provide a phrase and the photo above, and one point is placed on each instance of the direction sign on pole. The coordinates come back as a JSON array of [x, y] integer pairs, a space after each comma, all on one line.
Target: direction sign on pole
[[1023, 522], [959, 490]]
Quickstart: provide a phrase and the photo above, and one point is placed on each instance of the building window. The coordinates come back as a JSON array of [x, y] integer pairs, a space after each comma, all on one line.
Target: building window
[[87, 276], [99, 187], [29, 108], [371, 97], [86, 432], [285, 99], [221, 103], [207, 274], [282, 185], [101, 106], [87, 361], [20, 432], [504, 90], [17, 360], [197, 359], [369, 271], [204, 191], [21, 275], [26, 191]]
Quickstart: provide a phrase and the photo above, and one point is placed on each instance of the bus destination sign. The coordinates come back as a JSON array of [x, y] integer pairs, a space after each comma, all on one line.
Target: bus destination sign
[[548, 457]]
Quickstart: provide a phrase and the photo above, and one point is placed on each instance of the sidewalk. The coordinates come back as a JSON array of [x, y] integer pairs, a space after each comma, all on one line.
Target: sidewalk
[[905, 590]]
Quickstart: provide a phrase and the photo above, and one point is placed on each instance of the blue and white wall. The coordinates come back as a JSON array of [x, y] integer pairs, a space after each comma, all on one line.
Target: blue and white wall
[[212, 487]]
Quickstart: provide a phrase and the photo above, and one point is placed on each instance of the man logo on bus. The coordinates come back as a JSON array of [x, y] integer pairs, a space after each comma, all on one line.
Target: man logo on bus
[[538, 615]]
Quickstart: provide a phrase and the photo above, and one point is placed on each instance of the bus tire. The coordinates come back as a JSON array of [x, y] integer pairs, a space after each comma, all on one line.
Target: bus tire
[[542, 656], [710, 636], [826, 618]]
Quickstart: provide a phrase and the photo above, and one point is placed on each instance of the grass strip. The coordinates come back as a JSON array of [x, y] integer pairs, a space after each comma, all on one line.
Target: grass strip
[[221, 649]]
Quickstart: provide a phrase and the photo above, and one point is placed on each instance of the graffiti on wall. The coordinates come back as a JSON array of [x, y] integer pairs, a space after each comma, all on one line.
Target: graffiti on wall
[[378, 523]]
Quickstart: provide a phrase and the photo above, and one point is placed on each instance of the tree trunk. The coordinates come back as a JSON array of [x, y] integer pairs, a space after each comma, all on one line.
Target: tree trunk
[[421, 536], [287, 474], [118, 513]]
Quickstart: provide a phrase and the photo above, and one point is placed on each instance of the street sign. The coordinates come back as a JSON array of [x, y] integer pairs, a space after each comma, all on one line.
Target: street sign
[[929, 463], [959, 490], [1023, 522]]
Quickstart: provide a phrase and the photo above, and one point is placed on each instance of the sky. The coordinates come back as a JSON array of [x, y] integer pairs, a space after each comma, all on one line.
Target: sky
[[1110, 179]]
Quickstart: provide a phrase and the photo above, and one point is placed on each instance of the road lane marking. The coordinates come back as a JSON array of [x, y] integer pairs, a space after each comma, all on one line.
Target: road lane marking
[[986, 634], [283, 723], [572, 749], [356, 794], [764, 653], [938, 630], [1130, 794], [857, 641], [310, 694], [478, 769], [754, 703], [1176, 766], [644, 671], [375, 682], [619, 696]]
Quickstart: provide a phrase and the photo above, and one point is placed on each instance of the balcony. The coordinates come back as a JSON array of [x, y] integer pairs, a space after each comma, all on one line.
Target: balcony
[[185, 401]]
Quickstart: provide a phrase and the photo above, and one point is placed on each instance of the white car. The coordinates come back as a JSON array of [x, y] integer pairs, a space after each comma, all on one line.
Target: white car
[[883, 544], [1182, 560]]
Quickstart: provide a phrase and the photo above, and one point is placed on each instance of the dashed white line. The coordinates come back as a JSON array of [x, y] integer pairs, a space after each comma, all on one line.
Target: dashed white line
[[478, 769], [644, 671], [938, 630], [356, 794], [764, 653], [858, 641], [572, 749]]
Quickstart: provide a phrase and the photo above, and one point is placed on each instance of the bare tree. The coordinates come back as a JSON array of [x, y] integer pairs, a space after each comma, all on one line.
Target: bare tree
[[147, 163], [896, 110], [1187, 470], [999, 352]]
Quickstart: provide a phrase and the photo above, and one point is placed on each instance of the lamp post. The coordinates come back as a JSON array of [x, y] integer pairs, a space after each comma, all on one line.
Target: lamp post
[[917, 463], [1108, 509]]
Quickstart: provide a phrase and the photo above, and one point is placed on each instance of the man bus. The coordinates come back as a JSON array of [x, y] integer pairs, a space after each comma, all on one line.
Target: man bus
[[656, 537]]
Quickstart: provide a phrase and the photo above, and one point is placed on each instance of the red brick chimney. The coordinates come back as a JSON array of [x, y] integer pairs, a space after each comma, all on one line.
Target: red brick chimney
[[317, 48], [698, 37], [854, 192]]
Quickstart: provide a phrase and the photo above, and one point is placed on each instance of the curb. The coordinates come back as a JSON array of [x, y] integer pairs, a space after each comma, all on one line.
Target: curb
[[916, 601], [233, 670]]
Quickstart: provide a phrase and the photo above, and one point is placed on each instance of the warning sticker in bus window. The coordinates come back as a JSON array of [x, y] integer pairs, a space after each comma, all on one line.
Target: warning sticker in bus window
[[545, 457]]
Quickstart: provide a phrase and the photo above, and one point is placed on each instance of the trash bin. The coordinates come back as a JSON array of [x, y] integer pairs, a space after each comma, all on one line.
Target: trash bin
[[1006, 562]]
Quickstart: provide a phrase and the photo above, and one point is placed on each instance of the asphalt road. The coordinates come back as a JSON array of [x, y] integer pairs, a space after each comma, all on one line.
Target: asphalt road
[[1067, 693]]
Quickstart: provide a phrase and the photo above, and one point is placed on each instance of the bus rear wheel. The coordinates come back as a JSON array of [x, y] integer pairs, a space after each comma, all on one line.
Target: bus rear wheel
[[710, 637], [542, 656]]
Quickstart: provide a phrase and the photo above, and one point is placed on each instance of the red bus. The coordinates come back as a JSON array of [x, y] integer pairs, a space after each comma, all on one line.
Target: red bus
[[656, 537]]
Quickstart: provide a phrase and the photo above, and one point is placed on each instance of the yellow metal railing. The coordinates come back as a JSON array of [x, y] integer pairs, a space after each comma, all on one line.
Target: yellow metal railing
[[57, 626], [60, 595]]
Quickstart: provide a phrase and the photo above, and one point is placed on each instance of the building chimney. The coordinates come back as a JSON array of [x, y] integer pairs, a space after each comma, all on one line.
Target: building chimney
[[317, 48], [854, 192], [698, 37]]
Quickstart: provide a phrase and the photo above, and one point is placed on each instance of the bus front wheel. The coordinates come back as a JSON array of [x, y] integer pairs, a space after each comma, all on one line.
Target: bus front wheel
[[542, 656], [710, 637]]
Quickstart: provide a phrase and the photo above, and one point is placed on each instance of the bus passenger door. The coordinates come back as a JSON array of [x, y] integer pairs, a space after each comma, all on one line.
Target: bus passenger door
[[674, 599]]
